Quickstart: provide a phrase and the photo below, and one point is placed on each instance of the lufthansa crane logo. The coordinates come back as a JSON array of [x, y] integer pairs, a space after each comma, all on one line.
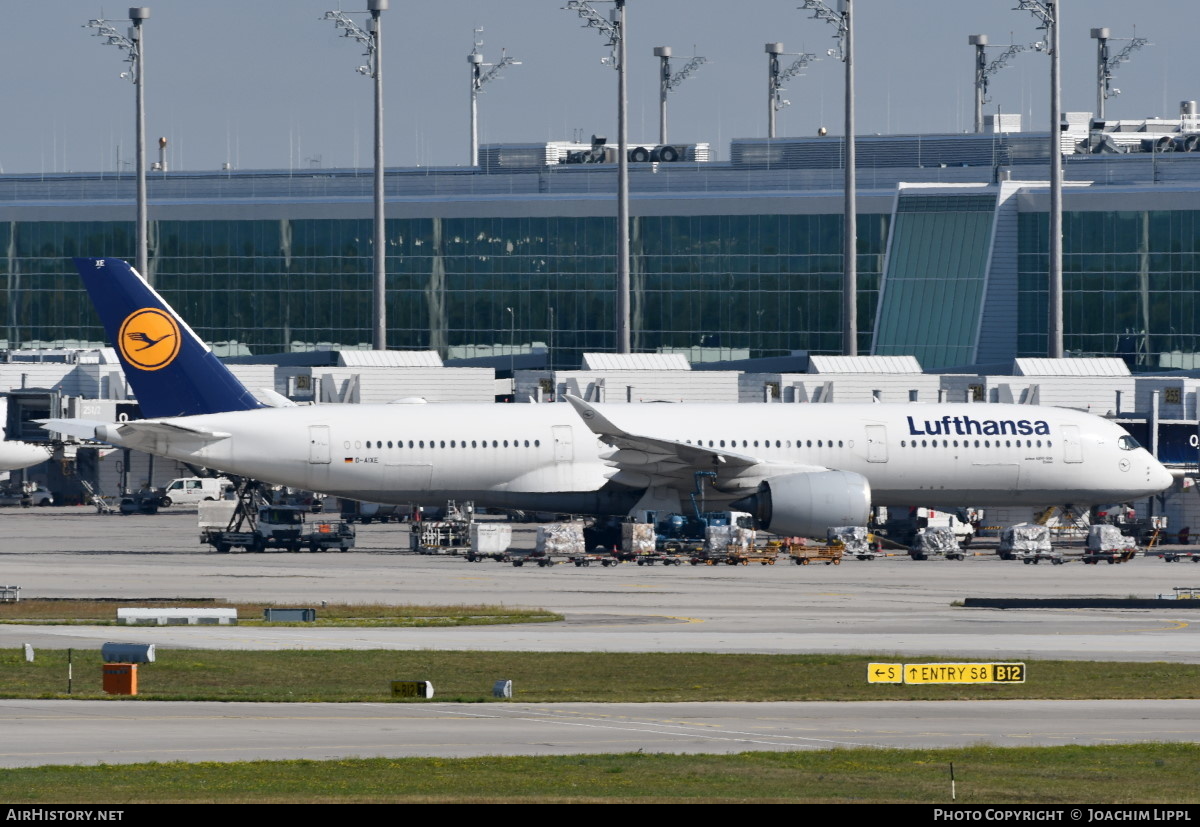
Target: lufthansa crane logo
[[149, 339]]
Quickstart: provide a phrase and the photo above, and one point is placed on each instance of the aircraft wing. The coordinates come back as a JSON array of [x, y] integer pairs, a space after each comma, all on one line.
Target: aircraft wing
[[143, 434], [800, 500], [642, 460]]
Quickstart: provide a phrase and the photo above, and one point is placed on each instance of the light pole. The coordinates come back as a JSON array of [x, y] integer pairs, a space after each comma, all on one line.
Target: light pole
[[843, 20], [1106, 65], [372, 39], [984, 70], [1049, 13], [134, 43], [480, 79], [614, 29], [776, 77], [668, 83]]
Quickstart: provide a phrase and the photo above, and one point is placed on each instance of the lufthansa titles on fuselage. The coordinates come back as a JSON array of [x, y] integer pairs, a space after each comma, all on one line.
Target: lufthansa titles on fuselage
[[967, 426]]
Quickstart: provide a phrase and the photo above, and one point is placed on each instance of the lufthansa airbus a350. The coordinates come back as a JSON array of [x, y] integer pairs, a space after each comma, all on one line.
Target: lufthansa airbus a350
[[799, 468]]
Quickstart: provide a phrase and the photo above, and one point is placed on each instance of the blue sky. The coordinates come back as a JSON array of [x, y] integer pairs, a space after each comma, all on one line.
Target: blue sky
[[269, 84]]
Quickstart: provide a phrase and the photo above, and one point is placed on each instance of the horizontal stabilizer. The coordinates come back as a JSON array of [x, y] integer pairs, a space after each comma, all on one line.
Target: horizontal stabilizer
[[158, 437], [143, 434], [79, 428]]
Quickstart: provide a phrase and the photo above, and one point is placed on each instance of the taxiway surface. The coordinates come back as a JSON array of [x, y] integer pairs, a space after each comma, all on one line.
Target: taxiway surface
[[891, 606], [887, 606]]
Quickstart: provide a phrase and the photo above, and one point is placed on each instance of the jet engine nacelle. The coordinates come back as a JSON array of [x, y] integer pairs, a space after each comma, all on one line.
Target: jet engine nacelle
[[807, 504]]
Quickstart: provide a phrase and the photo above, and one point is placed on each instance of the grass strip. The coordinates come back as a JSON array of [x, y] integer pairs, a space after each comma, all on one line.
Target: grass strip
[[1123, 774], [346, 676]]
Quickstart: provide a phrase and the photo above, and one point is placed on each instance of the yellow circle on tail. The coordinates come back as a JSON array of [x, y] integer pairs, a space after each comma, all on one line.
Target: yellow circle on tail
[[149, 339]]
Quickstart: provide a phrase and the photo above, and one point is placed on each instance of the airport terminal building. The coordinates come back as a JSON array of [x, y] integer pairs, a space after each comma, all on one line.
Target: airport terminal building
[[736, 266], [732, 260]]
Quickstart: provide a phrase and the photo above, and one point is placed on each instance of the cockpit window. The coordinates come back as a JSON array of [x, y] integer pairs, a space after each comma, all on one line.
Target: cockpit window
[[1128, 443]]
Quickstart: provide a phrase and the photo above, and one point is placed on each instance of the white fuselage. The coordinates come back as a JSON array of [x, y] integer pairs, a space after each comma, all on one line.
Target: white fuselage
[[545, 457], [16, 455]]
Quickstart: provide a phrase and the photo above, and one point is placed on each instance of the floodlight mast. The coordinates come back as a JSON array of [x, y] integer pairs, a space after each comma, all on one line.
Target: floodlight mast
[[669, 82], [372, 40], [1106, 65], [776, 76], [843, 21], [614, 29], [480, 79], [1049, 13], [984, 70], [135, 45]]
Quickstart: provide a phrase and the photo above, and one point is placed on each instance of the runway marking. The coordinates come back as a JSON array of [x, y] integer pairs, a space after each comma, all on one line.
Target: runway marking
[[639, 586], [1174, 626]]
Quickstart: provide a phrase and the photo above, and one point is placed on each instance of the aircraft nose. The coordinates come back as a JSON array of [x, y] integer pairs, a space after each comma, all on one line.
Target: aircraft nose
[[1159, 477]]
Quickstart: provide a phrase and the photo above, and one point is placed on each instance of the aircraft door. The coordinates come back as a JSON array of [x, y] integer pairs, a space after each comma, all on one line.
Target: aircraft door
[[1072, 446], [318, 444], [877, 443], [564, 446]]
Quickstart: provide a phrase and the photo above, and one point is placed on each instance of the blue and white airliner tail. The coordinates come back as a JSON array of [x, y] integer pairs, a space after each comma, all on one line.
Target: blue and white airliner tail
[[172, 372]]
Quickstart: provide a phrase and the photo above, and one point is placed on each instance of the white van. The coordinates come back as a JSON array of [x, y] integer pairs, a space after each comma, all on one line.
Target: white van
[[195, 490]]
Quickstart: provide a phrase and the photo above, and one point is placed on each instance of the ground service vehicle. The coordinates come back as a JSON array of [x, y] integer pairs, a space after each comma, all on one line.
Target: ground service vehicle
[[226, 525], [194, 490], [25, 494]]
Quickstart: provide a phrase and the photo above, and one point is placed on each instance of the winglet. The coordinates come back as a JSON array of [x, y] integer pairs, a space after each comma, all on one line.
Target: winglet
[[172, 372], [596, 421]]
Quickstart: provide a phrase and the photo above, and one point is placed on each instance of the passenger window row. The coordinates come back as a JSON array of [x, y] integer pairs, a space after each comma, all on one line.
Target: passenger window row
[[904, 443], [966, 443], [442, 443], [766, 443]]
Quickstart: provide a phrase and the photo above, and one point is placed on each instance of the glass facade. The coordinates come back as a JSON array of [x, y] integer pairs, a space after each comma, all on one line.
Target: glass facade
[[763, 284], [1130, 285], [933, 290], [768, 284]]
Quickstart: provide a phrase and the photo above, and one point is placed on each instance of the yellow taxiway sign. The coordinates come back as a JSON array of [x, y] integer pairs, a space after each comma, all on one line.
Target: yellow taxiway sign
[[926, 673], [885, 673]]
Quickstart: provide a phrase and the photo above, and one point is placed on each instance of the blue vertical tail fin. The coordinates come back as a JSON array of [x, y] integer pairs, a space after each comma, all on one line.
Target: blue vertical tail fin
[[171, 371]]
